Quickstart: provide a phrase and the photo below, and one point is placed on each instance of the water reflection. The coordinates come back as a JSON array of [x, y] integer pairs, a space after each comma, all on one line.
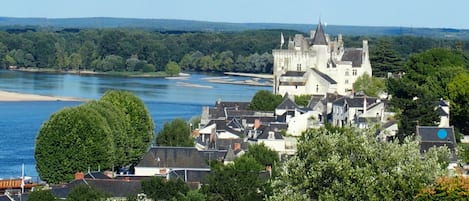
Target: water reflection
[[196, 89]]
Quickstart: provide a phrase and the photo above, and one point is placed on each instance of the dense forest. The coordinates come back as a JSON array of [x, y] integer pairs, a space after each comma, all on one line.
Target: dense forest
[[105, 50]]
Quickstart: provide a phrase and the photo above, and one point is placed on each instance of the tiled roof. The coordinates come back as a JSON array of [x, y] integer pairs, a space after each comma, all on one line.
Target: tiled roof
[[354, 55], [173, 157], [324, 76]]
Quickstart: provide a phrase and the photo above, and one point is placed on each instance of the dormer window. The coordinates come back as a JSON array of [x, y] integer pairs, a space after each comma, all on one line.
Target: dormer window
[[271, 135]]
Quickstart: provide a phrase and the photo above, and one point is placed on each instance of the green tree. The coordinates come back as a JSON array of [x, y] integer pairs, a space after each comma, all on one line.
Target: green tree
[[458, 93], [158, 188], [302, 100], [141, 130], [118, 126], [83, 192], [385, 59], [72, 140], [238, 181], [262, 154], [371, 86], [41, 195], [172, 68], [148, 68], [75, 61], [265, 101], [175, 133], [353, 165]]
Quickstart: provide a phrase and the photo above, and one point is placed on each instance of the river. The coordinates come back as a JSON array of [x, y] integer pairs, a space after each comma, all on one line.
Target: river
[[166, 99]]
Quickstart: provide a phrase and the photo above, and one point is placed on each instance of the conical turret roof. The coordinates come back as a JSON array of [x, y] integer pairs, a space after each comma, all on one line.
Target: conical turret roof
[[319, 36]]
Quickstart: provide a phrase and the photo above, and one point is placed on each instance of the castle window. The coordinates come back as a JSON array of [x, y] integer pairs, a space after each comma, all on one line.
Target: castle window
[[354, 72], [298, 67], [317, 88], [346, 73], [346, 81]]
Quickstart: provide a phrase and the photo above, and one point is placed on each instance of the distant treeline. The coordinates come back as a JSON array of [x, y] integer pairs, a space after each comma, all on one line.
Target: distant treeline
[[139, 50]]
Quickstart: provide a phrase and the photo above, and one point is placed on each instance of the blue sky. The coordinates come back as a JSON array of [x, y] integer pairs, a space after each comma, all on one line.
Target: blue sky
[[409, 13]]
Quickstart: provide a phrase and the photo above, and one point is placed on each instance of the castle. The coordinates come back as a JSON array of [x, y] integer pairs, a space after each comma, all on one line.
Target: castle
[[317, 65]]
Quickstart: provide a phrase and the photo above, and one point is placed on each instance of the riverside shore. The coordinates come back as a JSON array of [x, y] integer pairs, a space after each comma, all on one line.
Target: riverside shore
[[6, 96]]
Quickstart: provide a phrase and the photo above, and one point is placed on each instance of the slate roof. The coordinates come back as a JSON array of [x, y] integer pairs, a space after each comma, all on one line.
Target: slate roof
[[225, 144], [294, 73], [115, 187], [324, 76], [211, 154], [441, 112], [265, 133], [433, 136], [222, 126], [319, 36], [355, 101], [315, 99], [96, 175], [389, 124], [287, 104], [251, 119], [354, 55], [192, 175], [239, 105], [173, 157]]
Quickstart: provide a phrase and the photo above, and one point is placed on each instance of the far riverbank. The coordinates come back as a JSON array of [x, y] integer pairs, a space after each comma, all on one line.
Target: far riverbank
[[88, 72], [6, 96]]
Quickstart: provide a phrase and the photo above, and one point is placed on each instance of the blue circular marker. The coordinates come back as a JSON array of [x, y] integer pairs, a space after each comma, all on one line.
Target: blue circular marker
[[442, 134]]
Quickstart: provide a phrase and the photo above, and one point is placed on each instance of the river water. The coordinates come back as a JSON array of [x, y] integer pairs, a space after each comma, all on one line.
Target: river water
[[166, 99]]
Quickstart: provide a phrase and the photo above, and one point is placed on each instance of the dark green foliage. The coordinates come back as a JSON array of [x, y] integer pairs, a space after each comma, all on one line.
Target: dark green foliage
[[238, 181], [175, 133], [264, 100], [113, 132], [84, 192], [41, 195], [385, 59], [303, 100], [141, 130], [72, 140], [262, 154], [118, 127], [158, 188], [430, 75]]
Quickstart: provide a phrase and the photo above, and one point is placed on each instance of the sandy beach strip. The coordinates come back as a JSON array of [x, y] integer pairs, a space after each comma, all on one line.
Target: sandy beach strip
[[6, 96]]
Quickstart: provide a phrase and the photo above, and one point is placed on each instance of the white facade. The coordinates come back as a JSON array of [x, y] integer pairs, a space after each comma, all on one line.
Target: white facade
[[326, 66]]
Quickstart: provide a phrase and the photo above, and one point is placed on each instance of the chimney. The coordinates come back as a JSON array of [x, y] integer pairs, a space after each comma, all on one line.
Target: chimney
[[79, 175], [257, 123], [237, 146]]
